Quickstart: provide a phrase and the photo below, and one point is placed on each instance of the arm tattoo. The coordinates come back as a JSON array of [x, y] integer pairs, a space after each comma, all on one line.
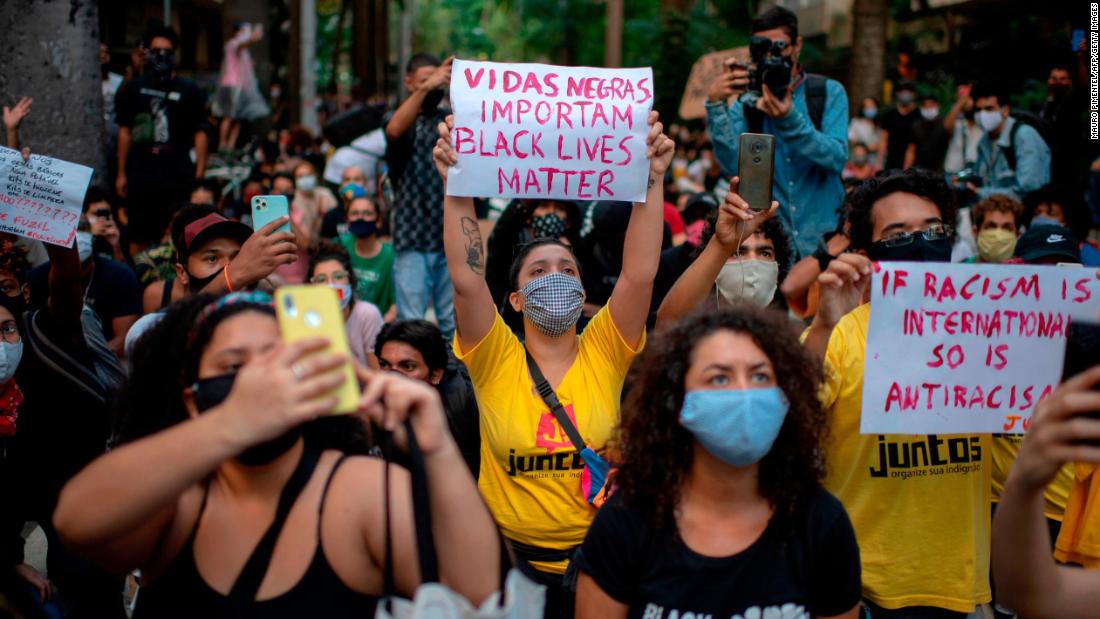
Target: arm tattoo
[[652, 182], [475, 250]]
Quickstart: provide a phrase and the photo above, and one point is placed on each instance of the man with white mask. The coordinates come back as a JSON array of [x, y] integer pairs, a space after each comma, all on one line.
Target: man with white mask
[[1013, 158], [744, 255]]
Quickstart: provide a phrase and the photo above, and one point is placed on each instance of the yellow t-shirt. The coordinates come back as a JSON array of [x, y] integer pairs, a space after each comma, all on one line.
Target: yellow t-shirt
[[1004, 450], [1079, 539], [530, 471], [919, 504]]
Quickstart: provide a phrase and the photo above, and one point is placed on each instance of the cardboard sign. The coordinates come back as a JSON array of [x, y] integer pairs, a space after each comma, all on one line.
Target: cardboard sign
[[42, 198], [703, 73], [542, 131], [961, 348]]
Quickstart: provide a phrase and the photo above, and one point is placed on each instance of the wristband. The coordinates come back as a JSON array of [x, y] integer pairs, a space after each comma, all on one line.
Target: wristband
[[225, 274], [823, 258]]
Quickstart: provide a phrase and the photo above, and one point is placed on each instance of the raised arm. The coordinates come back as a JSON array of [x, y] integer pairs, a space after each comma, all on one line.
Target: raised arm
[[843, 286], [962, 97], [66, 299], [118, 518], [13, 116], [735, 223], [629, 302], [475, 312], [1028, 580], [405, 114], [263, 252]]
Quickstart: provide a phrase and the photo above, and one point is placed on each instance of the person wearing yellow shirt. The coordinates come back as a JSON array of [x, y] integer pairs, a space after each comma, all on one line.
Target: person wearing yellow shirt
[[920, 505], [1063, 429], [530, 470]]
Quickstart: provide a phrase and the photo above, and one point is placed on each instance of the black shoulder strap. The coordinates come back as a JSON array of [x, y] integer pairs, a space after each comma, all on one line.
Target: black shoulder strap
[[166, 293], [816, 89], [1010, 152], [422, 516], [252, 576], [547, 392]]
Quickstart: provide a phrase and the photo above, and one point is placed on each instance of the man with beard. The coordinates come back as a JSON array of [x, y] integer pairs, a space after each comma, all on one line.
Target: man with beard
[[411, 132], [160, 119]]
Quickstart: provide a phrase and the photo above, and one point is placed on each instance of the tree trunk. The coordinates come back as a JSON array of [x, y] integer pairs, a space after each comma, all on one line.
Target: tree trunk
[[50, 53], [867, 68]]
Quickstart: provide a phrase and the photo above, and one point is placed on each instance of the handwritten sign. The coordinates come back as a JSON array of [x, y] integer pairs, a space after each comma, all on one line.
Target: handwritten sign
[[960, 348], [703, 73], [542, 131], [42, 198]]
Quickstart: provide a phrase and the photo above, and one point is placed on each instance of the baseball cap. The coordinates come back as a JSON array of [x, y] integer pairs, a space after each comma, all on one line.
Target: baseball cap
[[351, 191], [1047, 242], [211, 226]]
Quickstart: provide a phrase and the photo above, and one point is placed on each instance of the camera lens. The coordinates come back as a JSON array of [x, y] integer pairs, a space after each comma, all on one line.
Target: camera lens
[[756, 159], [757, 147]]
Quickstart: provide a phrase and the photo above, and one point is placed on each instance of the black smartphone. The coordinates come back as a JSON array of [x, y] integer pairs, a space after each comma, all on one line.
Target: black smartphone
[[756, 155], [1082, 349]]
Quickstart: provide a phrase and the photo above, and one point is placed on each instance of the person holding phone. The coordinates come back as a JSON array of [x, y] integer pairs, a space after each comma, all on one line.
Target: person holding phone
[[810, 124], [544, 511], [246, 505], [744, 252]]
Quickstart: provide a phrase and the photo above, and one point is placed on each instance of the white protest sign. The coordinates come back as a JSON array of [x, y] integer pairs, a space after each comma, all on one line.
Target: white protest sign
[[961, 348], [42, 198], [543, 131]]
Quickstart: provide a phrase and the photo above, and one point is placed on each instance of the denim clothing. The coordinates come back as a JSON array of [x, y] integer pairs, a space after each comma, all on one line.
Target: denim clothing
[[420, 276], [808, 162], [1032, 162]]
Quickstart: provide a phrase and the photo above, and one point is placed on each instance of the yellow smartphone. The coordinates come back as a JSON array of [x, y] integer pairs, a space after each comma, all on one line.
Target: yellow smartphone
[[310, 311]]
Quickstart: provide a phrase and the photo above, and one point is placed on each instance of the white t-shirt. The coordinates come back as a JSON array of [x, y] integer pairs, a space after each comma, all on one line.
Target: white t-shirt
[[364, 151]]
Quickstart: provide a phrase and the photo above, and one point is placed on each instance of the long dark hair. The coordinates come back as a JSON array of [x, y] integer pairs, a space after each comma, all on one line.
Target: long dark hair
[[656, 450], [165, 361]]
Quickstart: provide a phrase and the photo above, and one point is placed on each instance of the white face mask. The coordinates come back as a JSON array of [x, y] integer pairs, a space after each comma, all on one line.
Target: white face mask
[[84, 242], [307, 183], [749, 281], [930, 113], [988, 120], [10, 354]]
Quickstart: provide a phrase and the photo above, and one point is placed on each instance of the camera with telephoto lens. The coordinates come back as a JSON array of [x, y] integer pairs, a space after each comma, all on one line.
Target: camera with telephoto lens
[[768, 67]]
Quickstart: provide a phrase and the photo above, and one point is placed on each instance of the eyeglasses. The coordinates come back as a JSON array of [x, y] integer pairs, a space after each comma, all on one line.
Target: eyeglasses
[[933, 233], [337, 276], [9, 330]]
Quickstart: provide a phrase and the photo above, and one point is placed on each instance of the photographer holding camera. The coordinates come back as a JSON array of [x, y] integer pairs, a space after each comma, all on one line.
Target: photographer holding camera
[[807, 113]]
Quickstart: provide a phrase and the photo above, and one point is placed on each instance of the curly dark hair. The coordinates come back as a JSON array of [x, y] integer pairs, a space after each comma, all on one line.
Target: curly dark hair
[[327, 250], [165, 361], [656, 450], [916, 181], [772, 230]]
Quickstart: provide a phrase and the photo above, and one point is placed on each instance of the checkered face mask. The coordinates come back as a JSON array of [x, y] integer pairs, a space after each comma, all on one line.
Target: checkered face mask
[[553, 303]]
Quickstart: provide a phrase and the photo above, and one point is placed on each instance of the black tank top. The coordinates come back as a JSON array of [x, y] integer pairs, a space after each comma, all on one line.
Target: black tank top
[[166, 293], [181, 591]]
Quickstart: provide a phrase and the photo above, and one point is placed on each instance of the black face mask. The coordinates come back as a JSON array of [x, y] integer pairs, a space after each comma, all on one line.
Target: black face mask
[[210, 392], [196, 284], [920, 250], [361, 228], [431, 100], [160, 64]]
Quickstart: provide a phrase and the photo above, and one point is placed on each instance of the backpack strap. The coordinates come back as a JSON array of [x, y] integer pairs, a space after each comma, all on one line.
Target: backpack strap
[[816, 93], [547, 392], [1010, 152]]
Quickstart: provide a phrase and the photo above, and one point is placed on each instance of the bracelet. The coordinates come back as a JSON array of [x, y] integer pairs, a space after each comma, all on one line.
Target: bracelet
[[225, 274]]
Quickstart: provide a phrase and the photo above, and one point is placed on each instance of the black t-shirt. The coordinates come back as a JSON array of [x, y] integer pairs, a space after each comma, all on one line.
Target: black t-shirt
[[113, 292], [813, 570], [334, 223], [900, 128], [931, 140], [161, 115]]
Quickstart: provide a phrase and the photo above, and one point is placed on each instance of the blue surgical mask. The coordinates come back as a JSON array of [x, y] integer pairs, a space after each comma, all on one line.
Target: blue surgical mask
[[1044, 220], [84, 244], [736, 426]]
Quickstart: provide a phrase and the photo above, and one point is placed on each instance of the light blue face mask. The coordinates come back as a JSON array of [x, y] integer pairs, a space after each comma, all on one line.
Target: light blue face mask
[[1044, 220], [736, 426]]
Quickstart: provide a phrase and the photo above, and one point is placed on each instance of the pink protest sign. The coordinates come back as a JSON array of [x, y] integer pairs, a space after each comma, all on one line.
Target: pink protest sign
[[543, 131], [42, 198], [967, 348]]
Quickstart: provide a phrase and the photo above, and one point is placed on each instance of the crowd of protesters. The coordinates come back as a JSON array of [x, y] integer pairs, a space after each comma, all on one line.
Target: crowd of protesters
[[175, 453]]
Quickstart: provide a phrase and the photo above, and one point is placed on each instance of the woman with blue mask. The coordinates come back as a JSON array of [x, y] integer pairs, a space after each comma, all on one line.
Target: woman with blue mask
[[719, 509], [330, 266], [371, 259], [532, 473]]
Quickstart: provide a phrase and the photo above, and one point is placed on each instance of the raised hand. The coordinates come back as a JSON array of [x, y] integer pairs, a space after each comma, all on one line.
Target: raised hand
[[389, 399], [439, 78], [843, 286], [774, 106], [443, 154], [281, 389], [736, 221], [660, 147], [15, 114], [731, 82], [262, 253]]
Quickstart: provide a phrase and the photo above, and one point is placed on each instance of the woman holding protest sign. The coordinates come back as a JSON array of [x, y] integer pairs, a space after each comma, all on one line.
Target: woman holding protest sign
[[719, 509], [532, 468]]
